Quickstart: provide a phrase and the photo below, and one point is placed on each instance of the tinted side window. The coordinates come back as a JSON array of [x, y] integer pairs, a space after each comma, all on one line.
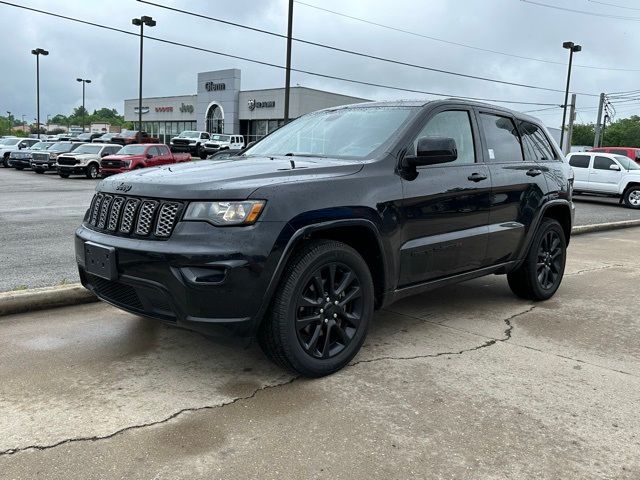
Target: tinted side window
[[163, 150], [454, 124], [503, 140], [602, 163], [579, 161], [205, 136], [536, 143]]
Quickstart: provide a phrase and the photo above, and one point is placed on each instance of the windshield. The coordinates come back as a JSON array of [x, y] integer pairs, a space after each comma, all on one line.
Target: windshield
[[220, 138], [40, 146], [84, 135], [10, 141], [627, 163], [95, 149], [189, 134], [108, 135], [127, 134], [61, 147], [346, 132], [132, 150]]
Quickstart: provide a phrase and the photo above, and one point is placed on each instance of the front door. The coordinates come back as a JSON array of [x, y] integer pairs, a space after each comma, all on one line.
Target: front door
[[601, 176], [446, 207], [518, 186]]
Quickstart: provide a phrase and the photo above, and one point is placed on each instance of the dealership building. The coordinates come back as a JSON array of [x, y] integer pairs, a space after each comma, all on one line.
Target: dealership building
[[220, 106]]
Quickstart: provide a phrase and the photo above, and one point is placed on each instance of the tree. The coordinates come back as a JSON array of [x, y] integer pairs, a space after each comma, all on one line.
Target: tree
[[623, 133], [583, 134], [59, 120]]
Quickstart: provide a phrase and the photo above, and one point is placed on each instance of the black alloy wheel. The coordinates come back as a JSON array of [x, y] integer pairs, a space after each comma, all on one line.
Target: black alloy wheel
[[329, 310], [549, 265]]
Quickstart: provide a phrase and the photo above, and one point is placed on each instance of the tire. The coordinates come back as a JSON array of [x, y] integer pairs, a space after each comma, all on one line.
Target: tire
[[39, 171], [300, 346], [19, 168], [64, 175], [92, 171], [5, 162], [201, 153], [631, 197], [540, 275]]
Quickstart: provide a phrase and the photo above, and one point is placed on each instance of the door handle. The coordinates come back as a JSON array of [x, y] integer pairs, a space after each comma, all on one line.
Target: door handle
[[477, 177], [534, 172]]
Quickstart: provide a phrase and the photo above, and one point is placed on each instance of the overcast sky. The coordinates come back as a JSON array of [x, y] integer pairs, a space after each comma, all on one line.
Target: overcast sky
[[110, 59]]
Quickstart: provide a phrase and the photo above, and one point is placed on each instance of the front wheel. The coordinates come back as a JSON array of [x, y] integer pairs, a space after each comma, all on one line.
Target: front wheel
[[632, 197], [64, 175], [92, 171], [321, 311], [540, 275], [5, 162], [19, 168], [37, 170]]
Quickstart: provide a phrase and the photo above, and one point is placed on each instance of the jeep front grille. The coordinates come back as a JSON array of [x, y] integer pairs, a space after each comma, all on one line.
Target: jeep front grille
[[130, 216]]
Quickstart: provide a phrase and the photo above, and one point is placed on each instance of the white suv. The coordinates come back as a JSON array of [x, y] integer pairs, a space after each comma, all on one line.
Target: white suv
[[606, 174], [219, 141]]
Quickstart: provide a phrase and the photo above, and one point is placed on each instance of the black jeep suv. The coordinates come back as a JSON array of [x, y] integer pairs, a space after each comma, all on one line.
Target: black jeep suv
[[343, 211]]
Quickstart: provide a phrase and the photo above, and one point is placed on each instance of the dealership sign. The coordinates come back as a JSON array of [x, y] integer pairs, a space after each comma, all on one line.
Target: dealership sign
[[267, 104], [138, 111], [164, 109], [214, 87], [186, 108]]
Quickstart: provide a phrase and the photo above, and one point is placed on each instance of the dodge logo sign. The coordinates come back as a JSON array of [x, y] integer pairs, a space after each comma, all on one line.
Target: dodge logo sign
[[124, 187]]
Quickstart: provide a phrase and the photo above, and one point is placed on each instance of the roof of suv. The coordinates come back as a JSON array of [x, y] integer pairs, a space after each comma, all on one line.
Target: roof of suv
[[599, 154]]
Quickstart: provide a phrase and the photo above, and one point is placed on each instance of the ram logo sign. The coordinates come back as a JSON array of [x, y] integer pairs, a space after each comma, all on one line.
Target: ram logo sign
[[253, 104]]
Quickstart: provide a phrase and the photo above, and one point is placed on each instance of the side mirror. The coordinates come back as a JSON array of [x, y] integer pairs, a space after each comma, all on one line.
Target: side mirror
[[148, 155], [614, 167], [432, 151], [104, 154]]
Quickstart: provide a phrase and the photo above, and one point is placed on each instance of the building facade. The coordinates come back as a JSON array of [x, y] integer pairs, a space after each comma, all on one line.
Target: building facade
[[220, 106]]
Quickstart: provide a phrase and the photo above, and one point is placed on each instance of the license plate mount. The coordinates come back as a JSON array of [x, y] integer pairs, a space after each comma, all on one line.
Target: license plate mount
[[100, 260]]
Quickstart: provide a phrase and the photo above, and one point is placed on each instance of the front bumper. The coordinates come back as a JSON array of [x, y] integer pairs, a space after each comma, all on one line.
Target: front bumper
[[107, 172], [201, 278], [72, 169], [184, 148], [19, 162], [43, 166]]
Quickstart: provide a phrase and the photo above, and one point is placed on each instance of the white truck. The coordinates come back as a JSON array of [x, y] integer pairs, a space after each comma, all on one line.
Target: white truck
[[606, 174], [190, 141], [219, 142], [85, 160]]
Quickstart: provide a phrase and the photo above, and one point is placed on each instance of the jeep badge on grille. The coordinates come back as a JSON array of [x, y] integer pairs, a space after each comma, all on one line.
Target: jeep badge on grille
[[124, 187]]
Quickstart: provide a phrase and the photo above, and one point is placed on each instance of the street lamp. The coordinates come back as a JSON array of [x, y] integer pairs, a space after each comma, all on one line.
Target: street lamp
[[573, 48], [84, 81], [37, 52], [141, 22], [24, 125]]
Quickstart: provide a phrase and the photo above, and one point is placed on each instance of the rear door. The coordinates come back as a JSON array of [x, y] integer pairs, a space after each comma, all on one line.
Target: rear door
[[518, 186], [445, 209], [580, 164], [602, 177]]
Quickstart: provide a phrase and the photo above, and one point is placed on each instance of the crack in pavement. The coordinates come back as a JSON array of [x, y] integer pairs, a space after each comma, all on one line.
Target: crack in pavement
[[488, 343], [594, 269], [13, 451]]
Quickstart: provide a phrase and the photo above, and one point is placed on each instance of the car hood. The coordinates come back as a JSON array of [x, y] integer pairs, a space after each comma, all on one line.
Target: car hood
[[230, 179], [79, 156]]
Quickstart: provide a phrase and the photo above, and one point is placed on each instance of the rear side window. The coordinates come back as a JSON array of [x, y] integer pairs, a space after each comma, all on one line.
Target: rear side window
[[503, 140], [602, 163], [579, 161], [163, 150], [536, 144]]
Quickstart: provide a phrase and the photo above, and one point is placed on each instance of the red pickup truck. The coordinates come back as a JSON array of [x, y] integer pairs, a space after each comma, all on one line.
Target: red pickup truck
[[136, 156], [127, 137]]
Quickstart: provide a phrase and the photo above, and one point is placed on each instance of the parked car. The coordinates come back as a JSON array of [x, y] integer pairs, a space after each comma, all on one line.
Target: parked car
[[631, 152], [219, 142], [104, 138], [9, 145], [190, 141], [133, 157], [127, 137], [335, 214], [47, 160], [21, 159], [86, 137], [84, 160], [607, 174]]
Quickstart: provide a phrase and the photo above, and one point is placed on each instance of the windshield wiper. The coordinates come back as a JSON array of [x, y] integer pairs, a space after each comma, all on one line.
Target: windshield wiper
[[290, 154]]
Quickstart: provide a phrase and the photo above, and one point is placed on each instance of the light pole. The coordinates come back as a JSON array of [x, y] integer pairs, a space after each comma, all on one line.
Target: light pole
[[10, 122], [141, 22], [84, 81], [573, 48], [24, 125], [37, 52]]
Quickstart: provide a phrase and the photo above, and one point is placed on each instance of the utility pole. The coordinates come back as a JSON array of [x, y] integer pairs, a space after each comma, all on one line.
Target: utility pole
[[572, 118], [573, 48], [596, 138], [604, 126], [287, 81]]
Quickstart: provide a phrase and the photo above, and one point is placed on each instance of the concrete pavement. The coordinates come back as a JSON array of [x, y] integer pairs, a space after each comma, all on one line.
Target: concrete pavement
[[464, 382]]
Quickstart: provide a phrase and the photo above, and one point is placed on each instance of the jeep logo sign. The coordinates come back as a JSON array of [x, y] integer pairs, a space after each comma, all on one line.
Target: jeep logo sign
[[186, 108], [268, 104], [214, 87]]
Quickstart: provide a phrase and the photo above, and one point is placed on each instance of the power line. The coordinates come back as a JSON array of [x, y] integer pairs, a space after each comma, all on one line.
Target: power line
[[614, 5], [464, 45], [582, 12], [273, 65], [359, 54]]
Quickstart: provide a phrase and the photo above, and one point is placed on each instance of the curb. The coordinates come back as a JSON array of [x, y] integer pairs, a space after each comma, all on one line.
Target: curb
[[20, 301], [601, 227], [33, 299]]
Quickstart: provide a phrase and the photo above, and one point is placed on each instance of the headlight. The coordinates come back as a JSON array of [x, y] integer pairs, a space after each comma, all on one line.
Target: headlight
[[225, 213], [53, 156], [126, 163]]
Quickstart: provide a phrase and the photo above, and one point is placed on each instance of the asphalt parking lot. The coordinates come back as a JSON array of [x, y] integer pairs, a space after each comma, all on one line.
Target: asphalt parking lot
[[39, 214], [464, 382]]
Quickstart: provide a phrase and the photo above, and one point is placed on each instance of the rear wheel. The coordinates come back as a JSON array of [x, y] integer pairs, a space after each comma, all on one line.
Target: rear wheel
[[92, 171], [64, 175], [5, 161], [540, 275], [321, 311], [19, 168], [632, 197], [37, 170]]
